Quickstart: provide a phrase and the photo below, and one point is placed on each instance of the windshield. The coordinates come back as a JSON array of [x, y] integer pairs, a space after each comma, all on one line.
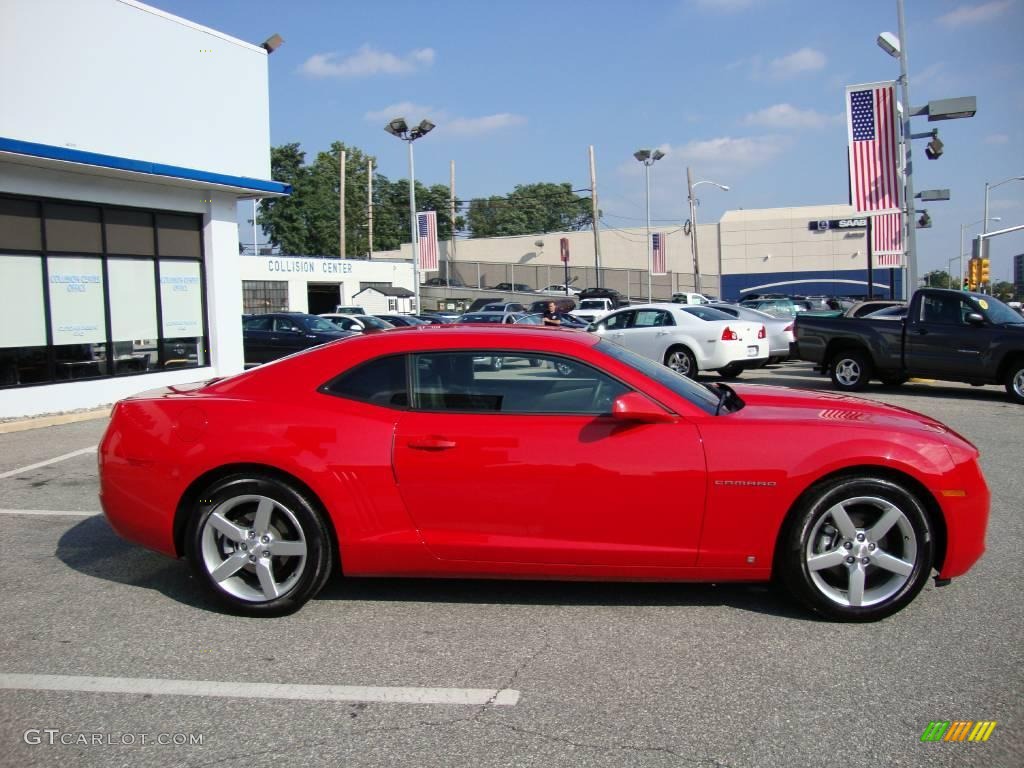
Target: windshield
[[320, 324], [996, 311], [592, 304], [696, 393], [707, 313], [375, 322]]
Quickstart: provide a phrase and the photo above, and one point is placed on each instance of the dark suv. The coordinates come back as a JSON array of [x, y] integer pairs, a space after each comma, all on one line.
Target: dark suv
[[604, 293], [276, 334]]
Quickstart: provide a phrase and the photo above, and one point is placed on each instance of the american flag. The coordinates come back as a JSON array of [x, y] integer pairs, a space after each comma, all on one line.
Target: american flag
[[874, 166], [887, 239], [658, 259], [426, 224]]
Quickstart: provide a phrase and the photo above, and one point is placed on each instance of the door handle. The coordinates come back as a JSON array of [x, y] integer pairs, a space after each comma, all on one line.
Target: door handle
[[431, 444], [661, 333]]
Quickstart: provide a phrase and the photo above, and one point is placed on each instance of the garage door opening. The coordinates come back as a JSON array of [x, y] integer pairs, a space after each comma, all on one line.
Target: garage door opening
[[324, 297]]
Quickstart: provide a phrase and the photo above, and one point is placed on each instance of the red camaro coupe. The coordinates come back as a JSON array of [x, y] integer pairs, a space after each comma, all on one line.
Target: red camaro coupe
[[404, 453]]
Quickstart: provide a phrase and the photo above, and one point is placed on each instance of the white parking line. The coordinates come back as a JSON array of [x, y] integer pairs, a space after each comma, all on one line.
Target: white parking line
[[48, 512], [160, 687], [30, 467]]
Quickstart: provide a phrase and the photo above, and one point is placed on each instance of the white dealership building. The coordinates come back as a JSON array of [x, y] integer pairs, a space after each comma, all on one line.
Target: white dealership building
[[122, 159]]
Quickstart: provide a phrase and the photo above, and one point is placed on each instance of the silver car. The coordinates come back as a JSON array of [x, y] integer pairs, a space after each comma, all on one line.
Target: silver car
[[781, 337]]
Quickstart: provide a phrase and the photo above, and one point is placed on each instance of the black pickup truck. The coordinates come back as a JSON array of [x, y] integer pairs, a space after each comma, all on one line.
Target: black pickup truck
[[946, 335]]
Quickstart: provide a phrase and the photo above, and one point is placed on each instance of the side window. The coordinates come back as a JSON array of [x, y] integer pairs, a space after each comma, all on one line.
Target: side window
[[284, 324], [618, 321], [482, 381], [652, 318], [261, 323], [944, 310], [380, 382]]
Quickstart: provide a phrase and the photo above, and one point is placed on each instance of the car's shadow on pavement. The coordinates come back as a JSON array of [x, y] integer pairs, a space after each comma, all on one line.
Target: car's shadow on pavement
[[92, 548]]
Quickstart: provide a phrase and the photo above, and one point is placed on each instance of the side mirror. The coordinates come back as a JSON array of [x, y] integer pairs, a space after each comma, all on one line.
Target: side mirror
[[636, 408], [975, 318]]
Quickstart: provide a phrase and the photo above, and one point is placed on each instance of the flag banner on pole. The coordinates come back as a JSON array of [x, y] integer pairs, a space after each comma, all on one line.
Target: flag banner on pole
[[659, 261], [426, 224], [872, 125], [887, 239]]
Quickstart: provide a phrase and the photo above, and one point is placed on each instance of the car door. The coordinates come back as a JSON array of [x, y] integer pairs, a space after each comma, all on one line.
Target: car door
[[524, 465], [940, 342], [613, 326], [256, 333], [649, 334], [288, 336]]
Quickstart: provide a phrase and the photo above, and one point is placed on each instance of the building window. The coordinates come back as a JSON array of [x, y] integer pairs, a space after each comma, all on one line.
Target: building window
[[259, 296], [363, 286], [95, 291]]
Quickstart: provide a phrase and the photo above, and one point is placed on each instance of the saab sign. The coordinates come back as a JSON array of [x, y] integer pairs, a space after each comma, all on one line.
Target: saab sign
[[826, 224]]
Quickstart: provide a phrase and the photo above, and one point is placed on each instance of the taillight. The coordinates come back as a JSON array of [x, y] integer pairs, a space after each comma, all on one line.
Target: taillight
[[762, 334], [788, 328], [729, 334]]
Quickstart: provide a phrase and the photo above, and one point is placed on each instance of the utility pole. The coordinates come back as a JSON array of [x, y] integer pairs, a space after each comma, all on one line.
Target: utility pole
[[341, 205], [451, 214], [911, 214], [593, 216], [693, 230], [369, 209]]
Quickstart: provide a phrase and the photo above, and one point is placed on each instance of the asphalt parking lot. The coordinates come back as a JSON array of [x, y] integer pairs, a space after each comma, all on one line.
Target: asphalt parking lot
[[605, 674]]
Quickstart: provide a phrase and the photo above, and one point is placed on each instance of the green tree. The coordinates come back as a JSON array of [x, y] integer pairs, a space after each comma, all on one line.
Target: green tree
[[940, 278], [307, 221], [529, 209], [1003, 290]]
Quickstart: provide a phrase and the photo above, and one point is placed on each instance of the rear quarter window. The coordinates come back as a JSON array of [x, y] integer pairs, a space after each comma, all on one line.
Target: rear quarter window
[[382, 382]]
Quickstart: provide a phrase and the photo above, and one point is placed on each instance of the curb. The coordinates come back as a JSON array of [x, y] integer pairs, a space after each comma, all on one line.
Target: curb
[[39, 422]]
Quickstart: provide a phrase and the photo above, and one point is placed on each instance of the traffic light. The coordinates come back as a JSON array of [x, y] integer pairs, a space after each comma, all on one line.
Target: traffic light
[[973, 273], [984, 278]]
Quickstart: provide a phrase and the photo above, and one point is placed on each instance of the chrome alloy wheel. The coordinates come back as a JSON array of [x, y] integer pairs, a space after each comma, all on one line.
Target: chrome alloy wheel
[[253, 548], [1018, 384], [848, 372], [861, 552], [679, 362]]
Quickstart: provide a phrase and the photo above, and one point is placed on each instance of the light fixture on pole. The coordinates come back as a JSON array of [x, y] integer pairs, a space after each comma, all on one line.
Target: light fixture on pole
[[690, 184], [648, 158], [984, 228], [963, 229], [400, 129]]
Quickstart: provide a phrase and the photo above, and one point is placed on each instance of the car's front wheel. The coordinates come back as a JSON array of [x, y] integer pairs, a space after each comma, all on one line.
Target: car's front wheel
[[857, 548], [258, 545]]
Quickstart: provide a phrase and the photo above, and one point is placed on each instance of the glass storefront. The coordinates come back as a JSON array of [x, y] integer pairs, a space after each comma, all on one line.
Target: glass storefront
[[94, 291]]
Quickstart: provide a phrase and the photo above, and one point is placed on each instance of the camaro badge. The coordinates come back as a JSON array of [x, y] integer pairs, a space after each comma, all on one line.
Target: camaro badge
[[748, 483]]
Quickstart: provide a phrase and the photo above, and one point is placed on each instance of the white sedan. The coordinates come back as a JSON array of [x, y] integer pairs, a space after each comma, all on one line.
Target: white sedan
[[558, 289], [688, 338]]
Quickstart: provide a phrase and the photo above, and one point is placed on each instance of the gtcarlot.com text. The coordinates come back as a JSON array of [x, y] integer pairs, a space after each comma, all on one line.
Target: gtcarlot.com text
[[56, 736]]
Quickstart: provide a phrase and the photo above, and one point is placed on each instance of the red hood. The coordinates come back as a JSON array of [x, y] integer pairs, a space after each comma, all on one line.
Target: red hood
[[791, 405]]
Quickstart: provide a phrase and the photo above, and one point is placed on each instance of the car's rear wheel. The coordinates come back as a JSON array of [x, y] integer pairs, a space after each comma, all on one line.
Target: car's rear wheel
[[258, 545], [681, 360], [1015, 381], [851, 370], [497, 363], [857, 549], [731, 371]]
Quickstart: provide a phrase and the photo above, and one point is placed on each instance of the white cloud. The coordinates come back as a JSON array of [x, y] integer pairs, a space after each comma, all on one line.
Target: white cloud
[[474, 126], [796, 63], [367, 61], [786, 116], [997, 138], [975, 14], [724, 154], [406, 109]]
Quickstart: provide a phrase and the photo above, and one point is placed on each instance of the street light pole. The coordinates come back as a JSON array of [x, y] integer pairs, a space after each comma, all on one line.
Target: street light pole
[[648, 158], [400, 129], [693, 223], [911, 221]]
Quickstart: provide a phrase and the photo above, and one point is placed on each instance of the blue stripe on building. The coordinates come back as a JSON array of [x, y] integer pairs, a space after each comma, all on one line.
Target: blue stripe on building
[[845, 282]]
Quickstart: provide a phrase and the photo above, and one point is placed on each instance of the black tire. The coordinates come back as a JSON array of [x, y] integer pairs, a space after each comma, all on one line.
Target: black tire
[[564, 368], [292, 523], [1015, 381], [731, 371], [816, 547], [681, 360], [850, 370]]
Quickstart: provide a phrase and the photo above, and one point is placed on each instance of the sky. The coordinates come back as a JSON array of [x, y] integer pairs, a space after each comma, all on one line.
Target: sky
[[748, 93]]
